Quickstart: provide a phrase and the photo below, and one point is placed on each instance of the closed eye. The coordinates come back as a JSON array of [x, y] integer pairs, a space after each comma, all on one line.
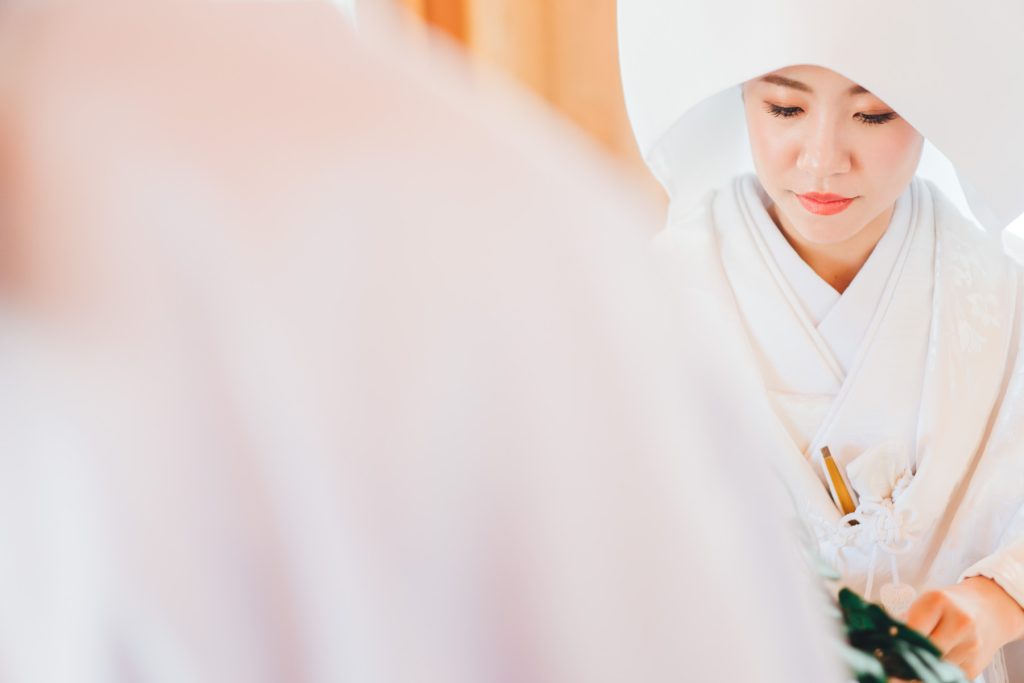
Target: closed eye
[[782, 112], [876, 119]]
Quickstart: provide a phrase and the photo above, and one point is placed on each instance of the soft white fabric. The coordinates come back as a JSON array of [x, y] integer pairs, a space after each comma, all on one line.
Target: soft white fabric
[[929, 419]]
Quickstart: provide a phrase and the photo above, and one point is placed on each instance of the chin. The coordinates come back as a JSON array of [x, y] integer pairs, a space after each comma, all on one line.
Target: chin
[[825, 234], [824, 230]]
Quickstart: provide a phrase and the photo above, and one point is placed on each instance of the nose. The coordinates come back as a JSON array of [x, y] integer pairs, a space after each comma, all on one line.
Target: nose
[[824, 152]]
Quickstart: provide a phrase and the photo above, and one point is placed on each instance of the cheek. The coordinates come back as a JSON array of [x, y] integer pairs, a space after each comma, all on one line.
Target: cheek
[[894, 156], [772, 151]]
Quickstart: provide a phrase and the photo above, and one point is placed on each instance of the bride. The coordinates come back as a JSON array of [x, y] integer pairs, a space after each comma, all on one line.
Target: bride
[[845, 250]]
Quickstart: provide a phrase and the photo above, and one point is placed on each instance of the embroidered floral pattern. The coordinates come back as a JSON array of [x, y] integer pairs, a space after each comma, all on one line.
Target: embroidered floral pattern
[[964, 254]]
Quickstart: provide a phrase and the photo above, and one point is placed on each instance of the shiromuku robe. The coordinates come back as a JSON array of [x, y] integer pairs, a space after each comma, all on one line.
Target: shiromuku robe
[[912, 378]]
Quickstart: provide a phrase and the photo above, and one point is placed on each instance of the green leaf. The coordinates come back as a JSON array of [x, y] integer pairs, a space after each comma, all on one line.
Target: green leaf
[[864, 667], [949, 673], [823, 568], [922, 671], [899, 650]]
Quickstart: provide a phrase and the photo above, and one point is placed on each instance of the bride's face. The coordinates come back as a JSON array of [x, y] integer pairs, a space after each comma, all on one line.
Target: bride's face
[[832, 156]]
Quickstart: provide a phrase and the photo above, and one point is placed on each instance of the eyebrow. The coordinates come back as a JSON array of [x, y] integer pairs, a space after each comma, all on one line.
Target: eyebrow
[[803, 87]]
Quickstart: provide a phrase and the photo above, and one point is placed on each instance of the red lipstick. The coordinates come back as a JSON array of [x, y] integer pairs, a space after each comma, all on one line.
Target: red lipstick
[[824, 204]]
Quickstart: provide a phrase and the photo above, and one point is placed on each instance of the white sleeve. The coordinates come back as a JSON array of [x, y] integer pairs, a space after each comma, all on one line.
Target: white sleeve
[[1006, 565]]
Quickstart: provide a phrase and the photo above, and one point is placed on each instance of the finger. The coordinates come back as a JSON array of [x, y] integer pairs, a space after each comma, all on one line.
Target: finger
[[951, 632], [967, 656], [962, 653], [924, 615]]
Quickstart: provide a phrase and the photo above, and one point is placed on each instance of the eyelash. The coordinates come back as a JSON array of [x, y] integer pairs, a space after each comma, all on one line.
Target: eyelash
[[868, 119], [876, 119], [783, 112]]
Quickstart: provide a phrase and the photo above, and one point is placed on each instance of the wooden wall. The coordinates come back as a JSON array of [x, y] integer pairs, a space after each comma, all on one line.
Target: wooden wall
[[565, 50]]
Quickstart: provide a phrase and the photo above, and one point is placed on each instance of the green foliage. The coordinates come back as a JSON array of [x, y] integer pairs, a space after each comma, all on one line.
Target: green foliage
[[881, 647]]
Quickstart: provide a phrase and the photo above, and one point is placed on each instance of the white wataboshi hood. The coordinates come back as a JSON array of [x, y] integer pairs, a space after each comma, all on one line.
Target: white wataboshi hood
[[953, 69]]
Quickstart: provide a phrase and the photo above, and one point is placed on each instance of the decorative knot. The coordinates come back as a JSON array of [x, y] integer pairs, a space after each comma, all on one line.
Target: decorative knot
[[880, 476]]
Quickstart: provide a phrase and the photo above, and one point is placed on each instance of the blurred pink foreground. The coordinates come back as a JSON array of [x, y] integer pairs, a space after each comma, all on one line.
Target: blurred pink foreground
[[315, 366]]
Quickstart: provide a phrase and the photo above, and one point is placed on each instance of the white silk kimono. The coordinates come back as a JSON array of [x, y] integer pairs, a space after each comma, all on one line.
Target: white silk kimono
[[912, 378]]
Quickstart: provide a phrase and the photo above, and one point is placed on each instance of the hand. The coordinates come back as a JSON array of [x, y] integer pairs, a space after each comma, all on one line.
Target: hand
[[968, 622]]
